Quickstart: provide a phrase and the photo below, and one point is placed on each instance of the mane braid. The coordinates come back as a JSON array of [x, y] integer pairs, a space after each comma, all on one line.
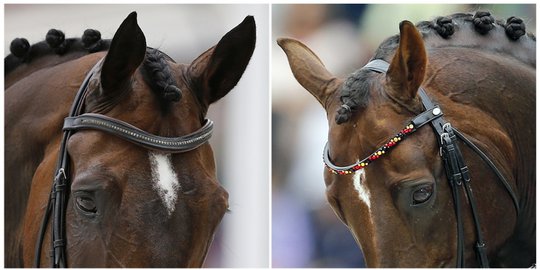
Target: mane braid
[[440, 33], [481, 23], [157, 74], [55, 43]]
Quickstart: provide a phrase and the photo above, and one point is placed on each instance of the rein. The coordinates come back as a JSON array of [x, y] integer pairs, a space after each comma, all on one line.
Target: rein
[[457, 171], [77, 120]]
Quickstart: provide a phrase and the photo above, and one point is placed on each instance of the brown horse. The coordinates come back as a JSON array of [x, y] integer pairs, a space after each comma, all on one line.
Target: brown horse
[[400, 208], [127, 206]]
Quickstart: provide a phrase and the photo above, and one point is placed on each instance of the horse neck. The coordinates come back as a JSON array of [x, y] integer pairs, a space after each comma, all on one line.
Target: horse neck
[[24, 70], [35, 109], [491, 97], [52, 90]]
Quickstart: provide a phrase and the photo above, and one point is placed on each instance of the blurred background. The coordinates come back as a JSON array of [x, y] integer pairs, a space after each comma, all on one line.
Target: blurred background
[[305, 231], [241, 131]]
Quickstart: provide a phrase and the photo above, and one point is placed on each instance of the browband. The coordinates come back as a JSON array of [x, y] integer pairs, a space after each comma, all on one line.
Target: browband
[[417, 122], [135, 135]]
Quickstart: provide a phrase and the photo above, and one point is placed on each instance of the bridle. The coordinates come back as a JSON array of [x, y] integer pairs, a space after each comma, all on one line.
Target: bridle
[[457, 171], [77, 120]]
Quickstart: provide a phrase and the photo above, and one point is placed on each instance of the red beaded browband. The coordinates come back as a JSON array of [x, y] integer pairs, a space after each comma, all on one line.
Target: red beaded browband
[[366, 161], [425, 117]]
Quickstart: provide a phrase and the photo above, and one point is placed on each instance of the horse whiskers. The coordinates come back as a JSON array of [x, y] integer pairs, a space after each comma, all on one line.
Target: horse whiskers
[[124, 239], [109, 252], [115, 259]]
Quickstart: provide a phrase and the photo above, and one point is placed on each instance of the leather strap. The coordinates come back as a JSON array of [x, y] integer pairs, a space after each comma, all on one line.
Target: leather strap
[[490, 163], [135, 135], [458, 175], [377, 65], [428, 116], [58, 196], [451, 158]]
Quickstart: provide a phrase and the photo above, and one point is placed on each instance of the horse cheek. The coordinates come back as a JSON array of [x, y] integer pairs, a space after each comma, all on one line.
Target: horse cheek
[[36, 209], [82, 234]]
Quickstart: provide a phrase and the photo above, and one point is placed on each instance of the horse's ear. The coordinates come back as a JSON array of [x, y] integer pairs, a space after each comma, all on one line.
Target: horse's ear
[[408, 67], [218, 70], [126, 53], [308, 69]]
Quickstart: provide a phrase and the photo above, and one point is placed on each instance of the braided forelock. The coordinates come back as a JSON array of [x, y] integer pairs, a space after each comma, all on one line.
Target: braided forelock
[[159, 76], [354, 94]]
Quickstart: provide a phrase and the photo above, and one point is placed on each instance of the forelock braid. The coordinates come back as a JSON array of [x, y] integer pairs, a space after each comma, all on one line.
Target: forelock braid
[[160, 76], [354, 95]]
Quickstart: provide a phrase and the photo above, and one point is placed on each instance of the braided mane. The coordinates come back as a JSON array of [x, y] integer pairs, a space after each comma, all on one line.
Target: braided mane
[[155, 69], [455, 30], [55, 43], [479, 30]]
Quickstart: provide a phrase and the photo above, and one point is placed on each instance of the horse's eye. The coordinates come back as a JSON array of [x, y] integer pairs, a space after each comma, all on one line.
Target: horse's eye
[[86, 204], [422, 194]]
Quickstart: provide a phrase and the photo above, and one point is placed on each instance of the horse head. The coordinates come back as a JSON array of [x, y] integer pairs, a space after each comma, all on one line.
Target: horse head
[[400, 208], [130, 206]]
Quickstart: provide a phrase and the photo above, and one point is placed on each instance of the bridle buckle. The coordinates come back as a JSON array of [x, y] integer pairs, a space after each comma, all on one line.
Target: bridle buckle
[[61, 172]]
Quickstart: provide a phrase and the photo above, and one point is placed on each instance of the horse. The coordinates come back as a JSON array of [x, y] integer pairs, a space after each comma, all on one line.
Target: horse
[[135, 182], [459, 194]]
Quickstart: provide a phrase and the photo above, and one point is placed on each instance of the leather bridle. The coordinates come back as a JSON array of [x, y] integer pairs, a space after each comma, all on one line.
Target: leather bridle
[[457, 171], [77, 120]]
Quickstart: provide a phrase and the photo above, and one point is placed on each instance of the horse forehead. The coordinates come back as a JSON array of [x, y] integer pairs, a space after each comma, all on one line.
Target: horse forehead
[[143, 109]]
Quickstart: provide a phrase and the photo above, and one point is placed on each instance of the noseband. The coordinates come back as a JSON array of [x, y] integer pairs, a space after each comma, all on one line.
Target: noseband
[[58, 198], [457, 171]]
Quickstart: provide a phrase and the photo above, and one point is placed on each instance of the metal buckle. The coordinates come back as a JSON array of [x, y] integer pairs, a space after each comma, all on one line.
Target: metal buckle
[[60, 181], [61, 172], [442, 142], [447, 127]]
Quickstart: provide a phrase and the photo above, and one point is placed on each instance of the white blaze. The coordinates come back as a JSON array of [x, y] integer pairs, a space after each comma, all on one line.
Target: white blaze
[[360, 187], [164, 179]]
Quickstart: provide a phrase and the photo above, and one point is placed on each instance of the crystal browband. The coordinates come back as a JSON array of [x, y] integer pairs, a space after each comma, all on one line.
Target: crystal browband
[[138, 136]]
